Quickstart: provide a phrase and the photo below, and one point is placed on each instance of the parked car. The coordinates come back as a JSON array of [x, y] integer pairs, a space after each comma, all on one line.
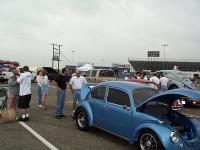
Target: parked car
[[99, 75], [138, 113], [177, 105], [6, 73], [177, 79], [3, 98], [146, 82], [191, 102], [51, 73]]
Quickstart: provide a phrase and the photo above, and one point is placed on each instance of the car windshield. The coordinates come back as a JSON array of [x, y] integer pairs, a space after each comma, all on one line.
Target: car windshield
[[142, 94]]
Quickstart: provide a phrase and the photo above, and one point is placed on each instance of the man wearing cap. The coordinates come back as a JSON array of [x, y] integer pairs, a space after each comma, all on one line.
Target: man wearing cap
[[24, 94]]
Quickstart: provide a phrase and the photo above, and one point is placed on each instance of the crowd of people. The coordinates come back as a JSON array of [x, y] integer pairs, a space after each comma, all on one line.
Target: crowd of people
[[160, 82], [19, 91]]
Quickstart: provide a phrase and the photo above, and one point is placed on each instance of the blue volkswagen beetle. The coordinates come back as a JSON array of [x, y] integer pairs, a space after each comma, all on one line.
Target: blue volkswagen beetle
[[139, 113]]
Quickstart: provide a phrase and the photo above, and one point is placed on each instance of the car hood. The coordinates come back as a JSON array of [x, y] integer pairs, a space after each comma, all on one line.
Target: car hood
[[85, 89], [170, 96]]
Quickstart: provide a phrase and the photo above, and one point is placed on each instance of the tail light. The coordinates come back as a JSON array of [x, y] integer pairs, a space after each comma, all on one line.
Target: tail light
[[194, 102]]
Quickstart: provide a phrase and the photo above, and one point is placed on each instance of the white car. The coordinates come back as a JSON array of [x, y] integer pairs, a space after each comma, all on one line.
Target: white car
[[8, 72]]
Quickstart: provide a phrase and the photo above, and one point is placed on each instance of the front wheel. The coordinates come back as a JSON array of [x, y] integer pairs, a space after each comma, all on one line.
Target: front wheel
[[148, 140], [82, 120]]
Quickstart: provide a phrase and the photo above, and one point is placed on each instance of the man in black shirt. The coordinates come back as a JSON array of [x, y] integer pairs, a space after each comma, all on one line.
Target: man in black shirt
[[61, 82]]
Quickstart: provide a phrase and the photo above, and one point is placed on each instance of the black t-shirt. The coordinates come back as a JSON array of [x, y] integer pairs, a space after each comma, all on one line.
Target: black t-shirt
[[61, 81]]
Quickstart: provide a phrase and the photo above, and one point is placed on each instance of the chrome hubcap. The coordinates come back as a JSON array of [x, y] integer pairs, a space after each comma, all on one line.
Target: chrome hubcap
[[81, 119], [148, 142]]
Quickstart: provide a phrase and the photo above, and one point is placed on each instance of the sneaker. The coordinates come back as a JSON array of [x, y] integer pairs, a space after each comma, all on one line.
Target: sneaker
[[22, 119], [58, 117], [39, 106], [44, 108], [27, 118], [63, 116]]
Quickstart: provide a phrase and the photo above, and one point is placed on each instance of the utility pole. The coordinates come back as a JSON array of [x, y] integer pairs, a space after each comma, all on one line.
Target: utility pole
[[164, 46], [73, 55], [56, 54]]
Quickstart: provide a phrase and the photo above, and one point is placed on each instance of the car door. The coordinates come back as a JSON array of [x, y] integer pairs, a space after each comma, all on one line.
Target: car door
[[117, 112], [87, 76], [97, 103], [93, 76]]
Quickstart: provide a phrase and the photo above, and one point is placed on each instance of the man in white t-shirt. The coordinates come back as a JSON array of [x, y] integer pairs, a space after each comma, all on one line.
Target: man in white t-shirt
[[164, 82], [24, 94], [75, 84], [154, 79]]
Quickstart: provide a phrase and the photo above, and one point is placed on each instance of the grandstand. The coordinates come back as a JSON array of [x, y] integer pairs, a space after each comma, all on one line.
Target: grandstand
[[155, 65]]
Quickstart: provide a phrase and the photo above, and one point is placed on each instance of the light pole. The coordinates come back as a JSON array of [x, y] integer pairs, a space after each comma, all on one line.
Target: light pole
[[164, 46], [72, 55]]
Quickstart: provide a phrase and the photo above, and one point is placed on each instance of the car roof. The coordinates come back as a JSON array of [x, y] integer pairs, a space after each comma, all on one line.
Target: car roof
[[128, 86], [168, 71]]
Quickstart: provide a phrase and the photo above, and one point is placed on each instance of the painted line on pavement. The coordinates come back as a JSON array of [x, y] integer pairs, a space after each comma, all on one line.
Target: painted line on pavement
[[39, 137]]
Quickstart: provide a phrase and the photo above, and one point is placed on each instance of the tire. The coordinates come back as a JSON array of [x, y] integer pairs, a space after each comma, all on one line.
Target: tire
[[148, 140], [82, 120]]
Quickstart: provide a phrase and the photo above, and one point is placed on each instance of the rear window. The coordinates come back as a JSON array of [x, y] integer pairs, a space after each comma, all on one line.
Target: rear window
[[141, 95], [106, 73]]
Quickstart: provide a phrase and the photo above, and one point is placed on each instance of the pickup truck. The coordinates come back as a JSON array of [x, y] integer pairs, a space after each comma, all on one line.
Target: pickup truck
[[99, 75]]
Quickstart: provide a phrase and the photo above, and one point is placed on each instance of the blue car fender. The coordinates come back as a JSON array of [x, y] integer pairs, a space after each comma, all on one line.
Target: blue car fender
[[86, 106], [161, 130]]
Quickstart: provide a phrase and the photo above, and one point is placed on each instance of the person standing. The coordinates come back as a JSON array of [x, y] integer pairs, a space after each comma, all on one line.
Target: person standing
[[75, 85], [154, 79], [13, 90], [39, 80], [24, 94], [164, 82], [44, 88], [61, 82]]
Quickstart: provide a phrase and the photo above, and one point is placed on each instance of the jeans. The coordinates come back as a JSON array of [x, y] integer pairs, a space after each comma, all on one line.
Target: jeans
[[163, 88], [61, 94], [39, 95], [77, 96]]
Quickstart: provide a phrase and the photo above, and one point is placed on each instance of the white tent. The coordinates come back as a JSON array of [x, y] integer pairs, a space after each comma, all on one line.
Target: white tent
[[85, 67]]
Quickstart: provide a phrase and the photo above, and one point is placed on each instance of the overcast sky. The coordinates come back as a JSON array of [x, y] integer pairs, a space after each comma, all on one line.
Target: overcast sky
[[100, 31]]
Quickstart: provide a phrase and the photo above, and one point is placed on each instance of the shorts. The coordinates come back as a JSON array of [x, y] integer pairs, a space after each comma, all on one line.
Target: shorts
[[12, 95], [44, 89], [24, 101]]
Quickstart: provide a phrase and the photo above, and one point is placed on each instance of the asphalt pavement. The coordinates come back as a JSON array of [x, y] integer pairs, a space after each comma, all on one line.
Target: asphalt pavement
[[61, 133]]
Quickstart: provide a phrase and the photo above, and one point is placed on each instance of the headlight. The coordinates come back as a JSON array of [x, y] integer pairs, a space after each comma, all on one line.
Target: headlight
[[174, 137]]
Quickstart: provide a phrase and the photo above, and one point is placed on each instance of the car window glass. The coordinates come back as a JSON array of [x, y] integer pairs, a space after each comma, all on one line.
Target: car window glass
[[98, 93], [118, 97], [87, 74], [94, 72], [106, 73], [141, 95], [170, 76]]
